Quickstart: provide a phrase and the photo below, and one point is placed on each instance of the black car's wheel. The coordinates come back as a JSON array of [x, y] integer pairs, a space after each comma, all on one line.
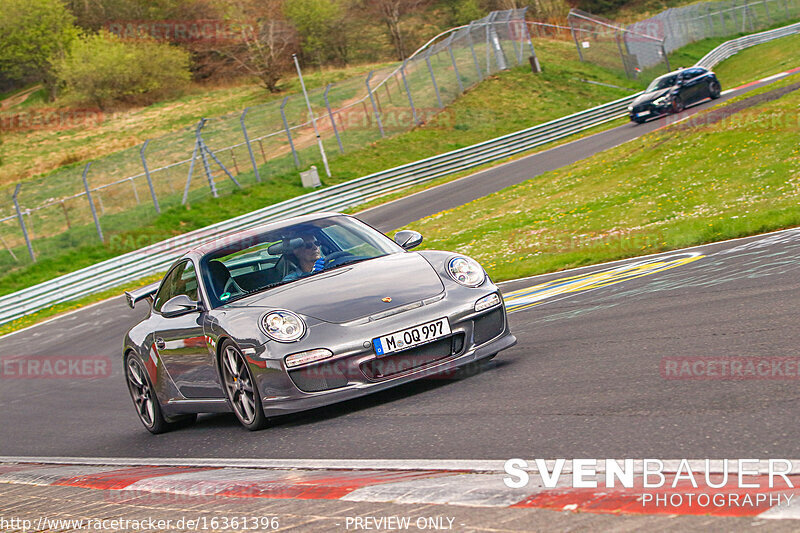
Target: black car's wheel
[[677, 105], [714, 90], [241, 388], [145, 400]]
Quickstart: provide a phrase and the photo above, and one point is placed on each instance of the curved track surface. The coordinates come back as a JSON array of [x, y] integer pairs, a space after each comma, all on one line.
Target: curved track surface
[[584, 380]]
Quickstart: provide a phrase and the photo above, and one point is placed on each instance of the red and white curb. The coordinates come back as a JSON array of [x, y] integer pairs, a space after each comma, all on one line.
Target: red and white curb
[[468, 483], [774, 77]]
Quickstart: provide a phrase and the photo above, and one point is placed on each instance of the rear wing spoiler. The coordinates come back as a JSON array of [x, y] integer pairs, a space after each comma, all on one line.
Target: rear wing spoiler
[[138, 295]]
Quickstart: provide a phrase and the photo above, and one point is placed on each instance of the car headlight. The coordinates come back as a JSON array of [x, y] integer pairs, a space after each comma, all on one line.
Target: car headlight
[[630, 108], [283, 326], [466, 271]]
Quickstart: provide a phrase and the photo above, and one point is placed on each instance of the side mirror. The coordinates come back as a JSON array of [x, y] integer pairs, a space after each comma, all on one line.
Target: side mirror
[[180, 305], [408, 239]]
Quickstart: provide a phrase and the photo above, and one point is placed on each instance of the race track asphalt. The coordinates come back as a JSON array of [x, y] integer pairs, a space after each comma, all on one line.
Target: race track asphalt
[[584, 380]]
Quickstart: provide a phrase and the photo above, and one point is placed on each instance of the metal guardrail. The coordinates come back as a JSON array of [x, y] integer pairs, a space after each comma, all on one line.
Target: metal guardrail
[[729, 48], [157, 257]]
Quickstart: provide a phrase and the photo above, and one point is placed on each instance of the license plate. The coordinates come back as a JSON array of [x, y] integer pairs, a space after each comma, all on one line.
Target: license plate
[[407, 338], [643, 114]]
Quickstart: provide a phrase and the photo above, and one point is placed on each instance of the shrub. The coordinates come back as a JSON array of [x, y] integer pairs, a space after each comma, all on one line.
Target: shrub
[[104, 70]]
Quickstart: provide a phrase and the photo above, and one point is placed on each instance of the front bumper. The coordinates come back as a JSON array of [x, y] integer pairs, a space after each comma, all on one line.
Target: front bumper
[[352, 373], [649, 110]]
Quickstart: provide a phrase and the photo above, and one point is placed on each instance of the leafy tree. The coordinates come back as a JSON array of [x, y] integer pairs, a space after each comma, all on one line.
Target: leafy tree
[[103, 70], [33, 35], [316, 22], [464, 11]]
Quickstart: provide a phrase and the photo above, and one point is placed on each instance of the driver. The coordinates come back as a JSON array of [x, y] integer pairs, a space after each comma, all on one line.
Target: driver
[[303, 258]]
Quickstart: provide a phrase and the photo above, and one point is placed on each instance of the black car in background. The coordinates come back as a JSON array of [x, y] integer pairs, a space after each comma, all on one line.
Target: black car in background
[[672, 92]]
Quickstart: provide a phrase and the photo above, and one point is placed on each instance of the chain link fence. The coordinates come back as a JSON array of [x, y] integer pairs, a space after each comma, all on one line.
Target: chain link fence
[[641, 48], [124, 190], [605, 43]]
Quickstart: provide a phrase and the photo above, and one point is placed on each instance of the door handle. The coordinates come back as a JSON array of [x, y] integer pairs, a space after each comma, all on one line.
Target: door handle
[[160, 344]]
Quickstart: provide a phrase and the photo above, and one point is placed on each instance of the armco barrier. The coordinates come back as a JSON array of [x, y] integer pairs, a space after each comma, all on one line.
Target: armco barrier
[[729, 48], [157, 257]]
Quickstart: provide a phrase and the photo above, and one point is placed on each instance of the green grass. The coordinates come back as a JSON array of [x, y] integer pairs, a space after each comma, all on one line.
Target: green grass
[[34, 152], [760, 61], [504, 103], [673, 188], [508, 102]]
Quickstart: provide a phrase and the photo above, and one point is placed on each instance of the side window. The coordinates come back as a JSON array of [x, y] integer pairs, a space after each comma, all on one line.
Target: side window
[[181, 280]]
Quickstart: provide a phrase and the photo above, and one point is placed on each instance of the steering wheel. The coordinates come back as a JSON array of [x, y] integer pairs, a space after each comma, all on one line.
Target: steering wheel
[[336, 258]]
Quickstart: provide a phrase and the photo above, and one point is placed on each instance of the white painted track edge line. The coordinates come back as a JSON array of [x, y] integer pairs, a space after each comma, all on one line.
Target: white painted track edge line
[[650, 256], [764, 80], [489, 465]]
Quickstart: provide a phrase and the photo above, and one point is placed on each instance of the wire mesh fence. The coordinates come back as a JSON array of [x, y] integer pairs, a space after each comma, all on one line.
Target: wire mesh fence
[[124, 190], [641, 49], [605, 43]]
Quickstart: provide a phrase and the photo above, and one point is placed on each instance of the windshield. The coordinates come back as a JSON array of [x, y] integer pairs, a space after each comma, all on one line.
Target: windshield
[[264, 260], [661, 83]]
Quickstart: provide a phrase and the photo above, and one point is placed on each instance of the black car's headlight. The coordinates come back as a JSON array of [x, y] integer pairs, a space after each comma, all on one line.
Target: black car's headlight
[[466, 271], [283, 326]]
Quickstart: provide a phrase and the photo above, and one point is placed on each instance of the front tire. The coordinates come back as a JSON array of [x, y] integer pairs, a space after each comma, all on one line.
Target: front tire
[[677, 105], [145, 399], [714, 90], [241, 388]]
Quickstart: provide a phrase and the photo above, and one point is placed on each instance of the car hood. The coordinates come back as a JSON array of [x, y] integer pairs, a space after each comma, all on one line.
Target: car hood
[[353, 291], [649, 97]]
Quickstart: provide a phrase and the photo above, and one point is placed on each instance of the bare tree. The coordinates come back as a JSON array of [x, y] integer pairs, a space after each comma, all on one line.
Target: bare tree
[[391, 12], [263, 42]]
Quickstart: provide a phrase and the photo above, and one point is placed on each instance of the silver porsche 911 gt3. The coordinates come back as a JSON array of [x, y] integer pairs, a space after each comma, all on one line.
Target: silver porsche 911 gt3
[[302, 313]]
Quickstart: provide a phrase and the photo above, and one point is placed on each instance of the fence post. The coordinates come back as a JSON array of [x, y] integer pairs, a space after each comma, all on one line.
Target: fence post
[[91, 202], [147, 176], [191, 171], [288, 132], [453, 60], [22, 223], [575, 38], [710, 21], [330, 116], [766, 10], [408, 91], [135, 192], [374, 107], [621, 54], [433, 79], [488, 46], [204, 158], [664, 54], [249, 147], [530, 43], [472, 49]]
